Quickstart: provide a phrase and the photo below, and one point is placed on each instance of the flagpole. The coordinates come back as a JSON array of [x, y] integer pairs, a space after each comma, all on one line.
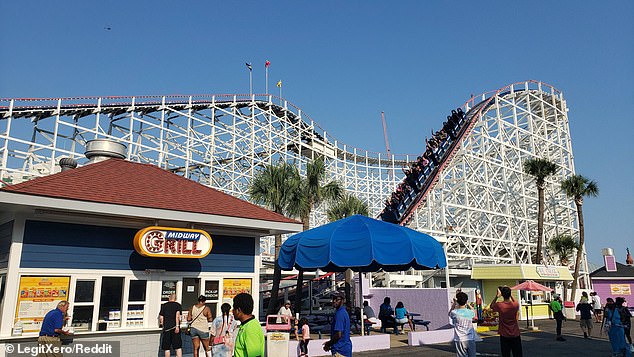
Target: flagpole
[[250, 83], [280, 94], [266, 75]]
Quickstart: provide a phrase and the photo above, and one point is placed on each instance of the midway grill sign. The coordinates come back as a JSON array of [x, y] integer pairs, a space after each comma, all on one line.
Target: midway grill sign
[[166, 242]]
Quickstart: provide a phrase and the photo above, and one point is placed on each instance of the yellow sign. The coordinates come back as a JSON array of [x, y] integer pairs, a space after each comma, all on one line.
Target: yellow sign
[[165, 242], [620, 289], [233, 287], [37, 296]]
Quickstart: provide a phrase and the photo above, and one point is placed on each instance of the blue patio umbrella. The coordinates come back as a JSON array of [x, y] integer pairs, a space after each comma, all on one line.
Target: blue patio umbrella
[[361, 244]]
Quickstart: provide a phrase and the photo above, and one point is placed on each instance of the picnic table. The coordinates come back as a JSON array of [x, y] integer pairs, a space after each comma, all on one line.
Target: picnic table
[[419, 321]]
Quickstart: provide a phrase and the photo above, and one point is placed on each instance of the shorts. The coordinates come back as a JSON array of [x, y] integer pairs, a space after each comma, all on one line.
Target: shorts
[[587, 323], [196, 333], [597, 311], [170, 340], [401, 321]]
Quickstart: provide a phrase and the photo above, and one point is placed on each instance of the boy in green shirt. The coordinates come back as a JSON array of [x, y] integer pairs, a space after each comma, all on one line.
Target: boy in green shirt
[[250, 339]]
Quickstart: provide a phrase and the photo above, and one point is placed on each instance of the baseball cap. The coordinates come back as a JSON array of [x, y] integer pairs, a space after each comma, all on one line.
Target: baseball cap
[[288, 302]]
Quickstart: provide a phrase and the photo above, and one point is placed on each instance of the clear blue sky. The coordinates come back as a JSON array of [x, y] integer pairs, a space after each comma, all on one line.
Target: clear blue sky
[[343, 62]]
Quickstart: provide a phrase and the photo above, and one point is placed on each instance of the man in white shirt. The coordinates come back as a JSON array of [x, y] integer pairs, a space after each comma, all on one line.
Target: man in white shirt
[[596, 306], [286, 311]]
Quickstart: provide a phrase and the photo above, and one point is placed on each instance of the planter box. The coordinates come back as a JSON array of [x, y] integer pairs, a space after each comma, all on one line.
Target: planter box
[[417, 338], [359, 344]]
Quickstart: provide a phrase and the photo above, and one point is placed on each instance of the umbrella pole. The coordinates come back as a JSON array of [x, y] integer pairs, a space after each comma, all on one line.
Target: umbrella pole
[[361, 302], [530, 295]]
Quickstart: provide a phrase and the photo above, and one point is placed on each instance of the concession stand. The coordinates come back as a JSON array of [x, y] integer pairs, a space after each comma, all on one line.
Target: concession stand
[[535, 303], [115, 238]]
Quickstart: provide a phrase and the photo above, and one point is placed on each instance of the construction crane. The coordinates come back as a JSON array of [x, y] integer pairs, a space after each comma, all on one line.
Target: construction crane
[[387, 142]]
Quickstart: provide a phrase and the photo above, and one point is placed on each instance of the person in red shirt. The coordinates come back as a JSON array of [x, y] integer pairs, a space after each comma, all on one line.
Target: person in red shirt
[[508, 328]]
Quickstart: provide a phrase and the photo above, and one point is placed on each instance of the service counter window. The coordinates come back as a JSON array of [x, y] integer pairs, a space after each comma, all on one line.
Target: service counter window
[[110, 303], [136, 303], [212, 293], [83, 305], [168, 287]]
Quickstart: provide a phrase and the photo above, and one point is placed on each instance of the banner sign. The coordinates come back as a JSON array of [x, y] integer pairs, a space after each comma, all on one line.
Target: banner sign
[[37, 296], [165, 242], [547, 272], [620, 289], [233, 287]]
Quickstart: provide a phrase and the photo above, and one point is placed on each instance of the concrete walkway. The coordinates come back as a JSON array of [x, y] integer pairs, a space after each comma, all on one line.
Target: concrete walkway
[[538, 343]]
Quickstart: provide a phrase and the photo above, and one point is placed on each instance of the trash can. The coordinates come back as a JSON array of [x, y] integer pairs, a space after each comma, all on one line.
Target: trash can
[[278, 329], [277, 344], [569, 310]]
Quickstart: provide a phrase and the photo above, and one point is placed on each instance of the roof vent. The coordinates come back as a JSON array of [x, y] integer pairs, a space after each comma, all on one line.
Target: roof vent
[[104, 149], [67, 163]]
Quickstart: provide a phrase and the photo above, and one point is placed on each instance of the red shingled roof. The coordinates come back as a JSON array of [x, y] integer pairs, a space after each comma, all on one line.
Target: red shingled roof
[[127, 183]]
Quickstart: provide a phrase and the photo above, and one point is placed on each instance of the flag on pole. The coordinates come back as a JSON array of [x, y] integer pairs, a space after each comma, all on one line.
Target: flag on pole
[[267, 64], [249, 66], [279, 84]]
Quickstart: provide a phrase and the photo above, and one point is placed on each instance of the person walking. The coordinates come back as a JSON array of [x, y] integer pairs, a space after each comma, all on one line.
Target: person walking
[[199, 317], [339, 344], [557, 309], [626, 319], [509, 329], [585, 309], [53, 326], [462, 320], [170, 318], [616, 333], [250, 339], [596, 305], [222, 333]]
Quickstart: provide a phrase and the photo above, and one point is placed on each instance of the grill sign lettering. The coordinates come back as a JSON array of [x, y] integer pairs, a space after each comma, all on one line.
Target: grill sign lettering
[[163, 242]]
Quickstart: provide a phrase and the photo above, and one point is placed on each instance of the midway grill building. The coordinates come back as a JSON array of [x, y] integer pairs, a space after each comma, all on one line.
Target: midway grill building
[[116, 238]]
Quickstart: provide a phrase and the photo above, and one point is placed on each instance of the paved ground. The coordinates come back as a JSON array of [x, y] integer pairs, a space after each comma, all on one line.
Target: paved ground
[[540, 343]]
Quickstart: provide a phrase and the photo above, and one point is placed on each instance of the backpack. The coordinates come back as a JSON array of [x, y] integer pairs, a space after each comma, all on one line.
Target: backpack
[[625, 316]]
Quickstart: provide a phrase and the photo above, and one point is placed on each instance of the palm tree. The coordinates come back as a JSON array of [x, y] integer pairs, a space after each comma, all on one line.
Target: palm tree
[[563, 246], [277, 187], [313, 192], [577, 187], [347, 206], [540, 169]]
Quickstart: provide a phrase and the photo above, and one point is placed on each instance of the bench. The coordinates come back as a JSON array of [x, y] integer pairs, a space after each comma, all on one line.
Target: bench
[[319, 329], [421, 322]]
